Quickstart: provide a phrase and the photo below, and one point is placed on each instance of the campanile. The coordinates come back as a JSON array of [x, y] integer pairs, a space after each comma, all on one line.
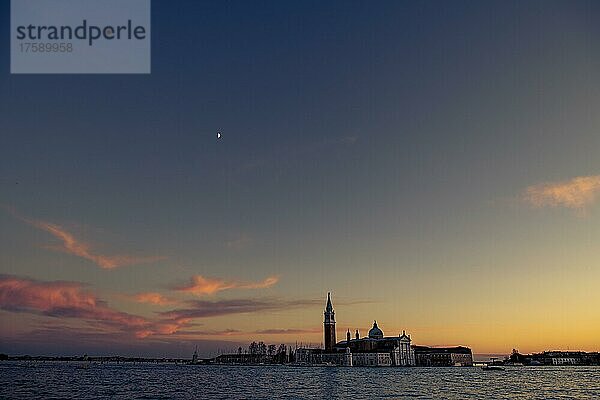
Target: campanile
[[329, 325]]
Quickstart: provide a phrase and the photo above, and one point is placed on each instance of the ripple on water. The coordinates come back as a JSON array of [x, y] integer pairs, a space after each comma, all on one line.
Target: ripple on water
[[164, 381]]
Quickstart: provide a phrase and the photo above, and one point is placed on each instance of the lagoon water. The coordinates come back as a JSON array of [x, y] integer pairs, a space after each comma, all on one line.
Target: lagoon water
[[53, 380]]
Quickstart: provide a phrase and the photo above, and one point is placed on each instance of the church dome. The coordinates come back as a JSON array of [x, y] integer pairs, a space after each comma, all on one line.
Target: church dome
[[375, 332]]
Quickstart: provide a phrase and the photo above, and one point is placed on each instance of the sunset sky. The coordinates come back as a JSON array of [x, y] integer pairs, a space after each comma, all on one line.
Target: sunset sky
[[435, 165]]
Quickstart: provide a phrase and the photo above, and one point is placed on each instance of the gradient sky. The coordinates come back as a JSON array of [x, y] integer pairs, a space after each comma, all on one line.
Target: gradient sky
[[434, 165]]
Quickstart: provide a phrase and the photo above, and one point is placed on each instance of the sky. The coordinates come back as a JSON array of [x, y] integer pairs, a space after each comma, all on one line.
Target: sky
[[433, 165]]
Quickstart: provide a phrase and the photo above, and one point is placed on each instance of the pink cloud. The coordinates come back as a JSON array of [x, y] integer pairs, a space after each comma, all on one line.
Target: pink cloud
[[63, 299], [59, 299], [153, 298], [74, 246], [72, 301], [577, 193], [200, 285]]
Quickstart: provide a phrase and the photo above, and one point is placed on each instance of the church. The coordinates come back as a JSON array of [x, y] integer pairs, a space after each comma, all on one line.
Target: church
[[372, 350]]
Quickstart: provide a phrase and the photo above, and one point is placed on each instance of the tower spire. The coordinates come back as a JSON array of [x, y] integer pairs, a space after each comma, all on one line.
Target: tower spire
[[329, 307], [329, 325]]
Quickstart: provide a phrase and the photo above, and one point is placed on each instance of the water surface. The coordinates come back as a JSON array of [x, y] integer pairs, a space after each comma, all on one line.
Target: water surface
[[52, 380]]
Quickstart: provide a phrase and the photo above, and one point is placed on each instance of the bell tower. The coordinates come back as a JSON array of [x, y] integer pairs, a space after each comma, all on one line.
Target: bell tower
[[329, 325]]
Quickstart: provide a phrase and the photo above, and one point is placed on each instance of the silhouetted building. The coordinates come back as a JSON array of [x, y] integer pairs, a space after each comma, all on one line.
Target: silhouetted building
[[329, 325], [378, 350], [555, 358], [443, 356], [373, 350]]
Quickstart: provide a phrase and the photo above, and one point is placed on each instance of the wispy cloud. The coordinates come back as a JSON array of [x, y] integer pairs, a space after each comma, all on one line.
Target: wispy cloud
[[60, 299], [235, 332], [200, 285], [206, 308], [208, 332], [577, 193], [287, 331], [73, 304], [65, 299], [153, 298], [74, 246]]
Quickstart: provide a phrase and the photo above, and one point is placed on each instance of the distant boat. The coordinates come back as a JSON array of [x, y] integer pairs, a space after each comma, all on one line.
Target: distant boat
[[492, 368], [514, 364]]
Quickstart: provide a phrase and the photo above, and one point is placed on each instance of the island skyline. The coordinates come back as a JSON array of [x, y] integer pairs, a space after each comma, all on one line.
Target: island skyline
[[433, 165]]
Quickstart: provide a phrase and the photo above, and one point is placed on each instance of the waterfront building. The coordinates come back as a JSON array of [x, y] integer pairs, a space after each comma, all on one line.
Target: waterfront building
[[308, 356], [378, 350], [567, 357], [373, 350], [555, 357], [459, 356], [564, 361]]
